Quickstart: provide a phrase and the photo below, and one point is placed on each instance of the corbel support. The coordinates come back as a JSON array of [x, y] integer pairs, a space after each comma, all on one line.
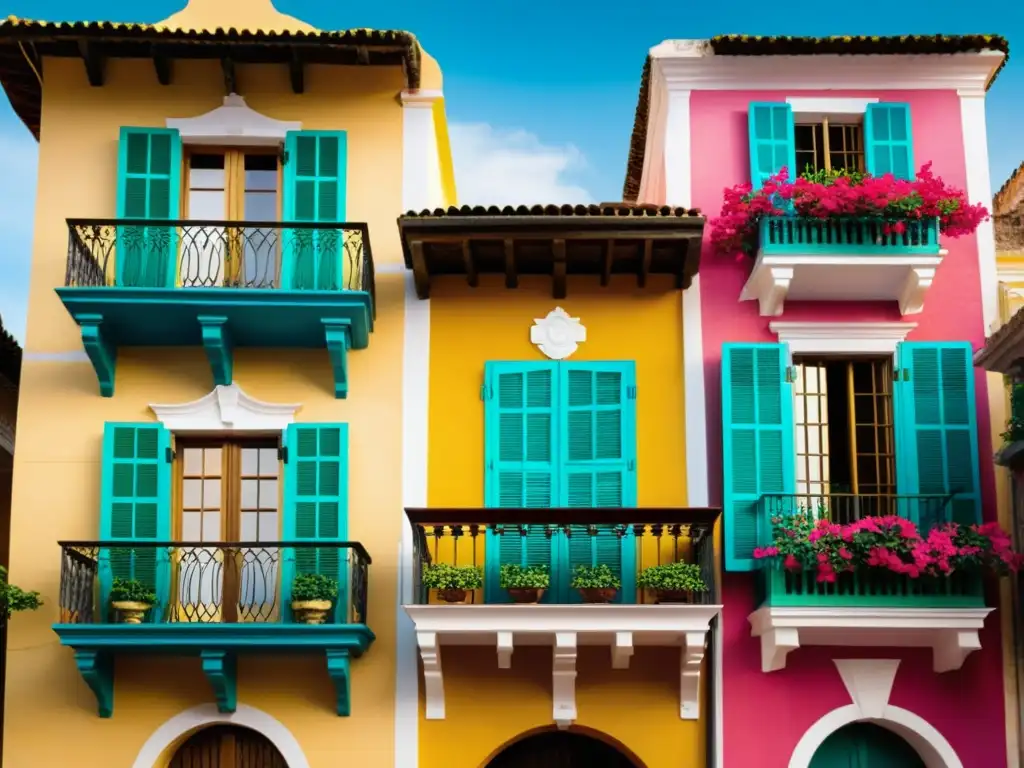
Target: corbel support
[[919, 280], [97, 669], [776, 645], [338, 671], [221, 670], [338, 334], [433, 681], [622, 650], [769, 284], [218, 346], [505, 650], [952, 648], [102, 354], [563, 675], [691, 661]]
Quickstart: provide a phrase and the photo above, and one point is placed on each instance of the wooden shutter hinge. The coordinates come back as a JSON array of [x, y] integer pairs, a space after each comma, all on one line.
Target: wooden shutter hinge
[[282, 155], [282, 454], [631, 392], [170, 455], [790, 374], [486, 392], [901, 374]]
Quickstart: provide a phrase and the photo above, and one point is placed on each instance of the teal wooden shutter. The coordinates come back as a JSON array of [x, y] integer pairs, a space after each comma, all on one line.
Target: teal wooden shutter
[[520, 455], [135, 505], [889, 140], [757, 441], [597, 417], [316, 506], [772, 142], [148, 187], [936, 427], [314, 191]]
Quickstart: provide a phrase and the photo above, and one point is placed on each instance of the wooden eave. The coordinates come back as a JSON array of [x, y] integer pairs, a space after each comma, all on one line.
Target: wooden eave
[[554, 245], [1004, 350]]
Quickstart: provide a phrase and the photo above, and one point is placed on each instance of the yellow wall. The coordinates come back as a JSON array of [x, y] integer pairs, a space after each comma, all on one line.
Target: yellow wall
[[57, 471], [486, 707]]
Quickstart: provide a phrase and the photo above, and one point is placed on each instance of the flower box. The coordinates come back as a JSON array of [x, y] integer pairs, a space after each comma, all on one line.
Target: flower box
[[782, 235], [869, 589]]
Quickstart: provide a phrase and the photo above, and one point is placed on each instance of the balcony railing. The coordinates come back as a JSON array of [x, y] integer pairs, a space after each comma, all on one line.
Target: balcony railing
[[872, 589], [219, 254], [215, 582], [644, 537], [792, 235]]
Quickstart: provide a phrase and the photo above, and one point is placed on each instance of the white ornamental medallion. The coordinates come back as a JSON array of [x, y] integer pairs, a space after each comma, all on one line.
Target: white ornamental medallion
[[557, 335]]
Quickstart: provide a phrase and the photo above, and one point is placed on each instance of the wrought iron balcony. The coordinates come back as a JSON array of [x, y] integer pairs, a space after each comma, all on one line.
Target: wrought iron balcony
[[629, 540], [843, 259], [219, 284], [212, 600]]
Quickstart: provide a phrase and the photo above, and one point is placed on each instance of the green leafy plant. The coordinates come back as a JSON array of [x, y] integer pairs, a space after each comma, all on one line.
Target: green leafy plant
[[14, 598], [444, 576], [1015, 424], [131, 591], [314, 586], [673, 577], [524, 577], [594, 577]]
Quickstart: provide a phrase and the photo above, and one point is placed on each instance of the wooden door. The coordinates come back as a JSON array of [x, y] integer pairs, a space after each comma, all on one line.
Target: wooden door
[[227, 746]]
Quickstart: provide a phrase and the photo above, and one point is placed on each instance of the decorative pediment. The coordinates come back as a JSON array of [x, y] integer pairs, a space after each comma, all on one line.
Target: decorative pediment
[[226, 409], [234, 123]]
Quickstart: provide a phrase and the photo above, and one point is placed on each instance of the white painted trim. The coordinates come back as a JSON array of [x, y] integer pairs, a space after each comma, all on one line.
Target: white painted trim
[[816, 106], [415, 433], [557, 335], [678, 152], [234, 123], [1010, 276], [951, 633], [73, 356], [652, 178], [862, 338], [206, 715], [695, 415], [979, 190], [690, 65], [564, 628], [421, 165], [226, 409]]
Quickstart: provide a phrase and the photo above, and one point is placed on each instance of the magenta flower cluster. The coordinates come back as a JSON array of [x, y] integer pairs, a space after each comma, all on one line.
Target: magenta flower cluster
[[820, 196], [803, 542]]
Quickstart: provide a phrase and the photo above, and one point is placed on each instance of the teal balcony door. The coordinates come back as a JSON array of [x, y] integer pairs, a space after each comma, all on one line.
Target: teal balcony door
[[865, 745]]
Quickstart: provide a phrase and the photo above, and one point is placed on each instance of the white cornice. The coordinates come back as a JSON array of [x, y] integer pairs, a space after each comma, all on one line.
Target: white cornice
[[226, 409], [232, 123], [419, 98], [688, 67], [825, 338]]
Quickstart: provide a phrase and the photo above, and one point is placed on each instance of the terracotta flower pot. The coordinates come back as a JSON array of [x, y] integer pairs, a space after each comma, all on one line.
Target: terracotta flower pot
[[598, 594], [131, 611], [669, 596], [452, 595], [525, 594], [311, 611]]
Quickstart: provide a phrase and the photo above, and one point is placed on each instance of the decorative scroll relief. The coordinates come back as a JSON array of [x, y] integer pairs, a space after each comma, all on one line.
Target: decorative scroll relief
[[226, 408], [557, 335], [6, 435], [565, 629], [233, 123]]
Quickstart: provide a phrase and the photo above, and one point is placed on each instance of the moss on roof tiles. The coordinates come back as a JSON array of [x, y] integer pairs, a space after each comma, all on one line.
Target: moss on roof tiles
[[1001, 198], [604, 209], [785, 45]]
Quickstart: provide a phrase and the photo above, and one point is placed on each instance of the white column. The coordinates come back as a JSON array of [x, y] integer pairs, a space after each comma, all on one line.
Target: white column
[[678, 178], [421, 169]]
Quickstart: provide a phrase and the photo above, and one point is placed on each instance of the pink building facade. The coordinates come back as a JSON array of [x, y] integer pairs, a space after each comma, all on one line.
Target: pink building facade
[[809, 676]]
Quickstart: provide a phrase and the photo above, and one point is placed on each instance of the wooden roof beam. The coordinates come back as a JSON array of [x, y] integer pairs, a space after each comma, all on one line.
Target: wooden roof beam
[[163, 66], [645, 263], [558, 269], [297, 72], [472, 276], [95, 62], [511, 276], [227, 67]]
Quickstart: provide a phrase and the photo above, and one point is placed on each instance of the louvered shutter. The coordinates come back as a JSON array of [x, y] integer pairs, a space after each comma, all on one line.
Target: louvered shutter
[[316, 504], [772, 141], [135, 505], [757, 441], [314, 191], [936, 428], [598, 465], [148, 187], [520, 463], [889, 140]]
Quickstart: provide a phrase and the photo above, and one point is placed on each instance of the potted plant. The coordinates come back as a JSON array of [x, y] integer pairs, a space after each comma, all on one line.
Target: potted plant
[[525, 583], [313, 596], [673, 582], [14, 598], [452, 582], [596, 584], [131, 598]]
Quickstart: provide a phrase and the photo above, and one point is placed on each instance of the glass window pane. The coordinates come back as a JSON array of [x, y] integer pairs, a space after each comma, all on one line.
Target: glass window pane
[[250, 461], [206, 205], [206, 178], [260, 206], [211, 526], [269, 465], [191, 526], [193, 461], [249, 527], [192, 494], [211, 494], [211, 461], [268, 494], [250, 494], [268, 526]]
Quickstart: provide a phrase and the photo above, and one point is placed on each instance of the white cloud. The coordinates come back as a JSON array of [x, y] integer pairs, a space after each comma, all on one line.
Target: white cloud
[[513, 167], [19, 156]]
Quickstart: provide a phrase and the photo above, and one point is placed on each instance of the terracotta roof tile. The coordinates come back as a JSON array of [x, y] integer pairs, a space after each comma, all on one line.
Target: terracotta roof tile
[[603, 209], [10, 356]]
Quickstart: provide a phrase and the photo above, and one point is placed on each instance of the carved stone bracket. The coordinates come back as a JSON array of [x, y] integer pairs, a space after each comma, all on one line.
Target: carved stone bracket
[[219, 348], [338, 334], [433, 681], [563, 676], [690, 663], [220, 668], [918, 281], [102, 354]]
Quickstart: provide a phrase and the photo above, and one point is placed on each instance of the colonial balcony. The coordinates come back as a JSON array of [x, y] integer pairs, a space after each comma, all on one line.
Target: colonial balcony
[[219, 284], [213, 601], [628, 540], [842, 260], [865, 608]]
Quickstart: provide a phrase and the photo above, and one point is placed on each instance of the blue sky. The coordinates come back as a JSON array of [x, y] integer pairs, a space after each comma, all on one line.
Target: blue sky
[[541, 97]]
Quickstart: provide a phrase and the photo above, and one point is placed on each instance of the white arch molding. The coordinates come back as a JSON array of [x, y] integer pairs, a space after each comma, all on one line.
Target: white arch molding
[[206, 715], [869, 683]]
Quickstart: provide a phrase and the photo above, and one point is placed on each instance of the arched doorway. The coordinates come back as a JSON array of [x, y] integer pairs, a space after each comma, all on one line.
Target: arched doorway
[[560, 749], [865, 745], [227, 746]]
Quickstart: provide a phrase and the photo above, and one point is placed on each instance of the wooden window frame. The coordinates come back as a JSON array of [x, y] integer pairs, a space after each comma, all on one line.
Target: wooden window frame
[[824, 123], [234, 177]]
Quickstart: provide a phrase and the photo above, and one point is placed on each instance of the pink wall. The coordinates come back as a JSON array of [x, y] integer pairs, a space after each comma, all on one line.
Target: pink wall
[[810, 686]]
